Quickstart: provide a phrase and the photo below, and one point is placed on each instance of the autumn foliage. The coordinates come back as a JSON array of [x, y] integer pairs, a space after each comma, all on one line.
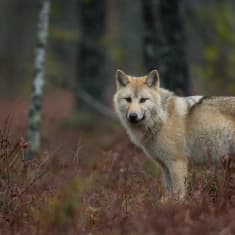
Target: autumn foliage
[[91, 180]]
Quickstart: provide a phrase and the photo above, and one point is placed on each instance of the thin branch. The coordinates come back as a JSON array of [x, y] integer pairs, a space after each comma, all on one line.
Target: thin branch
[[101, 108]]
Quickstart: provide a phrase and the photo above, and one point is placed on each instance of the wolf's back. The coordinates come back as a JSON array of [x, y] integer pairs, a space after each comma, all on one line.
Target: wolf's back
[[225, 105]]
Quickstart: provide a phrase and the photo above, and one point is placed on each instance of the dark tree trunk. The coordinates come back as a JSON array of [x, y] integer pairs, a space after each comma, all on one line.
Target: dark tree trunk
[[17, 23], [164, 46], [131, 36], [91, 54]]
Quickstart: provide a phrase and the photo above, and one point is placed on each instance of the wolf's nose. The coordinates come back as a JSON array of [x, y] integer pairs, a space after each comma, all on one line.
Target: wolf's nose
[[133, 117]]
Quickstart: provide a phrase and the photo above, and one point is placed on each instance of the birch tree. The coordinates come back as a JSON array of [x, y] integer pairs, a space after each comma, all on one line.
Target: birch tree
[[39, 80], [164, 46]]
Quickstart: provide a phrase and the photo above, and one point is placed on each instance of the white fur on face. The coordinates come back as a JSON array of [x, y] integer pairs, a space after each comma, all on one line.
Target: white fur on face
[[135, 107]]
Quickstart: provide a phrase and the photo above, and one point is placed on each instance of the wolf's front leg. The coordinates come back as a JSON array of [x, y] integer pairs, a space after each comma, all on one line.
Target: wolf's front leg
[[179, 172], [175, 177]]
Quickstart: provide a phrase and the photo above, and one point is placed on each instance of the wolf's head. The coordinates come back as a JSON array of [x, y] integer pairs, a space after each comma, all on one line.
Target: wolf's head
[[137, 99]]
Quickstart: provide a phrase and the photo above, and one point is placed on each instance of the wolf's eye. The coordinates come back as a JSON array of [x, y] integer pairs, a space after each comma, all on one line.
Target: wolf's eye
[[128, 99], [142, 100]]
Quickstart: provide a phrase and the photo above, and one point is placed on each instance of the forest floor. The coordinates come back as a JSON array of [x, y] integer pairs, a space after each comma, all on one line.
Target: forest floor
[[89, 179]]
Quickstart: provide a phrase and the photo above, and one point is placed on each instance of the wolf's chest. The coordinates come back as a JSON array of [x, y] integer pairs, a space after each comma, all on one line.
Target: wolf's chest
[[162, 149]]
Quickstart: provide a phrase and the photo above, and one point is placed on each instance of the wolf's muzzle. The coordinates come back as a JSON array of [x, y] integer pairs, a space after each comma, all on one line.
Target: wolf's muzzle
[[133, 118]]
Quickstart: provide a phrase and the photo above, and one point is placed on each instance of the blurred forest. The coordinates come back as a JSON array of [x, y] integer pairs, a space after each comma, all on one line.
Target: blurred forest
[[88, 178], [209, 41]]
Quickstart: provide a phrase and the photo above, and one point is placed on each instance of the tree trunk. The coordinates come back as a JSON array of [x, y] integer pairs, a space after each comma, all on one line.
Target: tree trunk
[[164, 46], [39, 80], [91, 55], [131, 36], [14, 16]]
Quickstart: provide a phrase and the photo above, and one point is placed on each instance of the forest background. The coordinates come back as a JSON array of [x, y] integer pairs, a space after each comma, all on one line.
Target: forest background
[[87, 178]]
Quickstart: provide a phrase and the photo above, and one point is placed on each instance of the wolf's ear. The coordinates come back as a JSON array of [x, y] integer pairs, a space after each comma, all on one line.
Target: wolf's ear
[[153, 80], [121, 79]]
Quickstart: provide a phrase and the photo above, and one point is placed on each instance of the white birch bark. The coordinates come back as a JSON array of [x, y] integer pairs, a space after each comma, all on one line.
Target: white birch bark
[[33, 134]]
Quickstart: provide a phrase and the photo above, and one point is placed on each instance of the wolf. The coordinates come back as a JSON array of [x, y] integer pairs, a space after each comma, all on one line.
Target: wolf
[[172, 130]]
